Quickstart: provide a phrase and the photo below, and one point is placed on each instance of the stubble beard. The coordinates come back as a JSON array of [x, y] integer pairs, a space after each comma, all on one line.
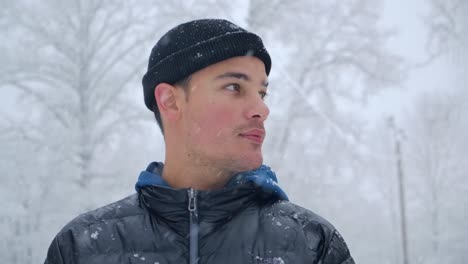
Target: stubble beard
[[225, 163]]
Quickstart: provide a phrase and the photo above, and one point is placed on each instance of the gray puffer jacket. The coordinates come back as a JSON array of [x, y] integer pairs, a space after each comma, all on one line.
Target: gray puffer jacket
[[246, 222]]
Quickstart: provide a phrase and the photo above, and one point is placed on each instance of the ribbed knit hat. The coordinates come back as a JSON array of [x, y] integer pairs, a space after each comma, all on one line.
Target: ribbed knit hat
[[194, 45]]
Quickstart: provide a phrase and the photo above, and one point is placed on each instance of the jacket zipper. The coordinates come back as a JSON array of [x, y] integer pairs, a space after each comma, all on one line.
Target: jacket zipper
[[194, 228]]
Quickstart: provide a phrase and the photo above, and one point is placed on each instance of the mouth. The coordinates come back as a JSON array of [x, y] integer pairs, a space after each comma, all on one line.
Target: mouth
[[255, 135]]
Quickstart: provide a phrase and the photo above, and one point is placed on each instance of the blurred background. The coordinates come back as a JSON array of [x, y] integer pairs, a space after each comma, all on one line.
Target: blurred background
[[367, 99]]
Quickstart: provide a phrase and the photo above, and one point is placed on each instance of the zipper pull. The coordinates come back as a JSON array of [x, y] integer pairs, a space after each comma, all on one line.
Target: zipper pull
[[192, 205]]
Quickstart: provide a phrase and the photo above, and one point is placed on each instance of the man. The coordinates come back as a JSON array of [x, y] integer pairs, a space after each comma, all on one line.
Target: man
[[212, 201]]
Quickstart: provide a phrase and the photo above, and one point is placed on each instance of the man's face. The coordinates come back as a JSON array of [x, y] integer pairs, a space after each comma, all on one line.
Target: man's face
[[222, 120]]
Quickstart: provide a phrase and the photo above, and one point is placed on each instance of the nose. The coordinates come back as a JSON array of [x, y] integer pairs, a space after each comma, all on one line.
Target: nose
[[257, 109]]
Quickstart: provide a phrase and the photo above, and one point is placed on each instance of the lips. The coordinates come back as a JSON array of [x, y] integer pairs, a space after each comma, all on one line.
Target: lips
[[254, 135]]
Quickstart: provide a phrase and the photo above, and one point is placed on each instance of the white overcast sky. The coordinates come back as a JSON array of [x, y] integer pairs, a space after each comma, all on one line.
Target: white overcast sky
[[407, 18]]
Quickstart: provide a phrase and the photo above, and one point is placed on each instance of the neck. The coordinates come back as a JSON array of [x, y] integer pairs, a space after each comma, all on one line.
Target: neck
[[185, 169], [196, 176]]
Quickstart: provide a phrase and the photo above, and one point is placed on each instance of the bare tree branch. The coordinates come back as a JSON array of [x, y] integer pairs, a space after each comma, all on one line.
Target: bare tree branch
[[41, 98]]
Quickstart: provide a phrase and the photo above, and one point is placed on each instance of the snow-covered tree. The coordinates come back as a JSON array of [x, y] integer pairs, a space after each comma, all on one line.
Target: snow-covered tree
[[75, 68], [331, 56], [437, 161]]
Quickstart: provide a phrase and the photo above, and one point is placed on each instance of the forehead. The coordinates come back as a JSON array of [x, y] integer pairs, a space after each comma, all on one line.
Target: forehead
[[248, 65]]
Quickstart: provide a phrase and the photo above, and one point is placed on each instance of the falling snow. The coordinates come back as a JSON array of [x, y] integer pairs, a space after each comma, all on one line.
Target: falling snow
[[95, 235]]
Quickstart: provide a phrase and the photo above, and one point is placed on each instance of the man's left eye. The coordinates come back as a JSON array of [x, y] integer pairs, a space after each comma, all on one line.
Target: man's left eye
[[263, 94]]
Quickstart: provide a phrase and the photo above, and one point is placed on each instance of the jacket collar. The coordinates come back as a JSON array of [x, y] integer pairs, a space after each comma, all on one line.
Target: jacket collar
[[171, 205], [263, 178]]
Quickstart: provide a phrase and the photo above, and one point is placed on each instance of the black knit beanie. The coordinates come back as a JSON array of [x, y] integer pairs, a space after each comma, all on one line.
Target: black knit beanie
[[194, 45]]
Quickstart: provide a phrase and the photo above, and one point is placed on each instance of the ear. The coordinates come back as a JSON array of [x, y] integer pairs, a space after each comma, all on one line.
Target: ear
[[166, 98]]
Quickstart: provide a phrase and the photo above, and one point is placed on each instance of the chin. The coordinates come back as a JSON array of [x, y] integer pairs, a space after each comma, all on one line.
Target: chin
[[250, 163]]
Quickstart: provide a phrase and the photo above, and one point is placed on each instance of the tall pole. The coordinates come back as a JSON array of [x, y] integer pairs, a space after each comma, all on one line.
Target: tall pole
[[398, 133]]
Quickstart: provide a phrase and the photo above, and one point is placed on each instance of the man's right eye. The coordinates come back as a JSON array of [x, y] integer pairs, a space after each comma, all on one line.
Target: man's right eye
[[232, 87]]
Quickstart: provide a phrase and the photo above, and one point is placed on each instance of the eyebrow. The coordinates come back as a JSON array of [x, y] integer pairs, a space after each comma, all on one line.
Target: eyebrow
[[239, 75]]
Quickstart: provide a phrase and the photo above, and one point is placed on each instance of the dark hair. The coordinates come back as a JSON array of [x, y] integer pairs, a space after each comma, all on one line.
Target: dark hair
[[184, 84]]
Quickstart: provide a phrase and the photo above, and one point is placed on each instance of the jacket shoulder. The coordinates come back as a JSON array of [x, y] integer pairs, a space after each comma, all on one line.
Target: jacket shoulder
[[315, 231], [287, 209], [98, 232], [126, 207]]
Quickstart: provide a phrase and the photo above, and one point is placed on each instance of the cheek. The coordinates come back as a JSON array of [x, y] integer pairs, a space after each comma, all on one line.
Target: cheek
[[215, 123]]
